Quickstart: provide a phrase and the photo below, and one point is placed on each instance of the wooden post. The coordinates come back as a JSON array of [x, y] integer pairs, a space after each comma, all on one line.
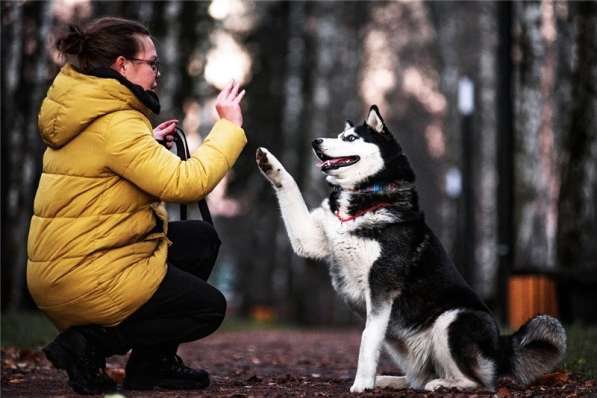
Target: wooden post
[[466, 107], [529, 295]]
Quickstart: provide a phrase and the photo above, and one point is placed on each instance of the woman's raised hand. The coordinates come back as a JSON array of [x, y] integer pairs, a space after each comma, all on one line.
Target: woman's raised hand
[[228, 103]]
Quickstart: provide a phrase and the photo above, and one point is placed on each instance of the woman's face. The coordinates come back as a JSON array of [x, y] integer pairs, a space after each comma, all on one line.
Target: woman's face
[[143, 68]]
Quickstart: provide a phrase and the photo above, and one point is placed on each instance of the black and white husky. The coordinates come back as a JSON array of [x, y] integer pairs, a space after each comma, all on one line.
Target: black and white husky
[[389, 267]]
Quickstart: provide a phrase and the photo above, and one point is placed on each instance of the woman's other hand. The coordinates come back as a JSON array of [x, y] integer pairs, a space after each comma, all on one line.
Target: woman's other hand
[[228, 103], [164, 132]]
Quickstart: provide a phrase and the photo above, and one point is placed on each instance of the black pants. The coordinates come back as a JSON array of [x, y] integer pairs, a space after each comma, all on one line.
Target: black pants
[[184, 307]]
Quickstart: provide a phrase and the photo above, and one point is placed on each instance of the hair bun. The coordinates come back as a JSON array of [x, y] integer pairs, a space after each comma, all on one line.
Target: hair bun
[[73, 42]]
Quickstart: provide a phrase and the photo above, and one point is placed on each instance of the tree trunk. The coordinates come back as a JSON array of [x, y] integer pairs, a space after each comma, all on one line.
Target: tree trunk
[[12, 27], [31, 26], [576, 201], [536, 153]]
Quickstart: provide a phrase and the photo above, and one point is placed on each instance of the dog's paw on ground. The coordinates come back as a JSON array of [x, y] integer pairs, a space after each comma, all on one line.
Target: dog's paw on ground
[[362, 384]]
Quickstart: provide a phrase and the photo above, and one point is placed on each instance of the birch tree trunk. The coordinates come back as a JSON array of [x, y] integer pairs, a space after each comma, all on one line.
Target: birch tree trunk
[[535, 158], [484, 278]]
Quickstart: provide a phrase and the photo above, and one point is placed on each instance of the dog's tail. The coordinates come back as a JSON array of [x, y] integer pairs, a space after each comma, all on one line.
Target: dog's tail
[[535, 349]]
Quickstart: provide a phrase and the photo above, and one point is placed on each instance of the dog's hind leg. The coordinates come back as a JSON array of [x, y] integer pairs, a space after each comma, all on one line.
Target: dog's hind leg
[[457, 337], [397, 382], [304, 231], [371, 343]]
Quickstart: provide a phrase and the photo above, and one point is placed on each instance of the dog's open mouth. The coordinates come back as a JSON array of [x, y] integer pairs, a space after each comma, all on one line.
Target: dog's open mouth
[[330, 163]]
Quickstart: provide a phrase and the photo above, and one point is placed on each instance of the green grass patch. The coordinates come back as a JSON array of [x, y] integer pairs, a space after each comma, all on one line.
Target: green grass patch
[[581, 356], [26, 329]]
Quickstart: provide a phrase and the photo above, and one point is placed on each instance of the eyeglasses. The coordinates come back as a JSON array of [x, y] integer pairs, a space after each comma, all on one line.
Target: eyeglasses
[[154, 64]]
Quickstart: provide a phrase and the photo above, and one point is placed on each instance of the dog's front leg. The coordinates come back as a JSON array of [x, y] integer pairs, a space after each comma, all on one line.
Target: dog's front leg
[[305, 233], [371, 343]]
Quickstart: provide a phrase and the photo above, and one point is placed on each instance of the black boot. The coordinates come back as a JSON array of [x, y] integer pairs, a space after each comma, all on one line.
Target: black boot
[[148, 370], [110, 341], [84, 363]]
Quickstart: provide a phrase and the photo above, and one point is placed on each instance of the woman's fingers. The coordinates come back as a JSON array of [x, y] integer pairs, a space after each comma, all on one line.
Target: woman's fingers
[[227, 103], [165, 131], [165, 124], [225, 91], [229, 93], [169, 129], [233, 90], [239, 97]]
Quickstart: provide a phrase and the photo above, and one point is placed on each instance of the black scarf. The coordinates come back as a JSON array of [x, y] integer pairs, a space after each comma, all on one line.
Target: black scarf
[[147, 97]]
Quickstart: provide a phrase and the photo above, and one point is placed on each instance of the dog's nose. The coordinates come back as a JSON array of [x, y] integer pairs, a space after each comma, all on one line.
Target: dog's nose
[[316, 142]]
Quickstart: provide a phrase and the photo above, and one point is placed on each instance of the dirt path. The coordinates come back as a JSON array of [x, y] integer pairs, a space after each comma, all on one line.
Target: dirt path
[[265, 364]]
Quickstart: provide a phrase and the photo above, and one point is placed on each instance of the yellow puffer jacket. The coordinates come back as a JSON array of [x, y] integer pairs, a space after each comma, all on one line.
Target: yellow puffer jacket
[[95, 255]]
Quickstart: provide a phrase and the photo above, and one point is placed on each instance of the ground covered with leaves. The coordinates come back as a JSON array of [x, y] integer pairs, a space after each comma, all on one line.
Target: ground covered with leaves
[[273, 363]]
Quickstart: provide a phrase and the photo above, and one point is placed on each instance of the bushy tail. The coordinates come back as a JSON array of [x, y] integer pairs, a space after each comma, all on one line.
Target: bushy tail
[[535, 349]]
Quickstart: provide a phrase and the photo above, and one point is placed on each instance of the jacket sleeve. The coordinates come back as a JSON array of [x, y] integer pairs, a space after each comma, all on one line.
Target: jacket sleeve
[[134, 154]]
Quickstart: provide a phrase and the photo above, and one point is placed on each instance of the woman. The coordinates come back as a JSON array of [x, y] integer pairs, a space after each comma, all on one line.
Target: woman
[[104, 263]]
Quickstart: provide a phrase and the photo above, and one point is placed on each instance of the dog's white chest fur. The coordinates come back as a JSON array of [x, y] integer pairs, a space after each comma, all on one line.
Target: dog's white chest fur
[[351, 259]]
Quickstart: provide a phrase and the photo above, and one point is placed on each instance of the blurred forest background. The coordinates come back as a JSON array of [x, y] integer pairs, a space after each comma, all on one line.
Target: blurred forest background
[[507, 177]]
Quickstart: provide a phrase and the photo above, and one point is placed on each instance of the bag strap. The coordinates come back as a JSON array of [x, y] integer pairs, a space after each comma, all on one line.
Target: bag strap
[[182, 150]]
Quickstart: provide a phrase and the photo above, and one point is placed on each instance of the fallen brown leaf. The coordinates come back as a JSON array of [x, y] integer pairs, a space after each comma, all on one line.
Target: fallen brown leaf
[[503, 392], [554, 379]]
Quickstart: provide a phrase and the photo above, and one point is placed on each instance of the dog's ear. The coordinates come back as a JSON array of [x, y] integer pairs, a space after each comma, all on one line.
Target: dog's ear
[[348, 125], [374, 120]]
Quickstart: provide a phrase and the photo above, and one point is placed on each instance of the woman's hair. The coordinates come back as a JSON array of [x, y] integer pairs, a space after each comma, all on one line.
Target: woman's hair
[[101, 42]]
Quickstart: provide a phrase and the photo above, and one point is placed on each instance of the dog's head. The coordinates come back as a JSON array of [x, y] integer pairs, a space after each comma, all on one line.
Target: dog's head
[[363, 154]]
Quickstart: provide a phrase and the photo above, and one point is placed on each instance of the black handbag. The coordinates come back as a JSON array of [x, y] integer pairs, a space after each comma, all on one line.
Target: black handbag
[[207, 252], [182, 150]]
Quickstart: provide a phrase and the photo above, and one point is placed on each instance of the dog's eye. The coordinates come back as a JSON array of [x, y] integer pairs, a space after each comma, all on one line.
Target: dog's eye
[[350, 138]]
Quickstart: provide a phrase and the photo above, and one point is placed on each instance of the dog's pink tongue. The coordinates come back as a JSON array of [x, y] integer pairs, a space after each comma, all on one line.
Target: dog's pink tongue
[[335, 161]]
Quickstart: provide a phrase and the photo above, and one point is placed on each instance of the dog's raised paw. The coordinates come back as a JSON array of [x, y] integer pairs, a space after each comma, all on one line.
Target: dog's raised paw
[[270, 167]]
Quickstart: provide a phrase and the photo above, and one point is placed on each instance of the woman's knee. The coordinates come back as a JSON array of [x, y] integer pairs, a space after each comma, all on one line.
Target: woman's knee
[[219, 302], [211, 314]]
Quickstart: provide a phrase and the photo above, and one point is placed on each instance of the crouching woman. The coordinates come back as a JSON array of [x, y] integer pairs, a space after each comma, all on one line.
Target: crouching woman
[[104, 263]]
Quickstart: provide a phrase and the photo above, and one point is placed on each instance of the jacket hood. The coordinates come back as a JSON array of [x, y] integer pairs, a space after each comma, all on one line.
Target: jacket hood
[[75, 100]]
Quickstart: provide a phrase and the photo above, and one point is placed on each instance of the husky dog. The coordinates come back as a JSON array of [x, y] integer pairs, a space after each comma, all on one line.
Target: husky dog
[[389, 267]]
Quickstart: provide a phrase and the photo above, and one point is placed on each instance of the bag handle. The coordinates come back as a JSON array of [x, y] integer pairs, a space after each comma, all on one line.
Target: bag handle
[[182, 150]]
